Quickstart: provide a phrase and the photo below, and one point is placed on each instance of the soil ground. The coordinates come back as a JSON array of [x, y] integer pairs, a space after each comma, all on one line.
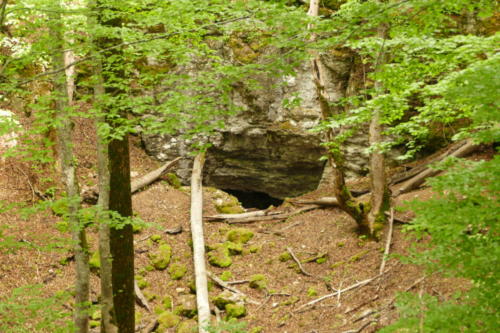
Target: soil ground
[[328, 233]]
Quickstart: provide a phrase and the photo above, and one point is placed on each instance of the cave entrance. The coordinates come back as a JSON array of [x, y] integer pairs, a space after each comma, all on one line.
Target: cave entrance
[[251, 199]]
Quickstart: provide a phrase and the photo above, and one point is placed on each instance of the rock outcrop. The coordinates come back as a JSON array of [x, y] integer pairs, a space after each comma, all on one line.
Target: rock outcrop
[[268, 147]]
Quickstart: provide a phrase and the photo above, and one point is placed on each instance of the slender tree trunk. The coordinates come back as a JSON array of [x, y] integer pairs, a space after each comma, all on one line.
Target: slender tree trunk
[[108, 325], [380, 197], [69, 178], [335, 158], [199, 244], [121, 247]]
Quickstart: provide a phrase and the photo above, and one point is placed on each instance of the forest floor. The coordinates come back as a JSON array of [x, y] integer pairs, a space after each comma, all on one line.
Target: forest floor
[[334, 255]]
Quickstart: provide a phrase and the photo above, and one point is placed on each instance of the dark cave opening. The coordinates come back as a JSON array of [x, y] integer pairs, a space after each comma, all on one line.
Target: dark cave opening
[[250, 199]]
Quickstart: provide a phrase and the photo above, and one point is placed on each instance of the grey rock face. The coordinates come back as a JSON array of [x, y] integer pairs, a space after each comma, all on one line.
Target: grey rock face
[[268, 147]]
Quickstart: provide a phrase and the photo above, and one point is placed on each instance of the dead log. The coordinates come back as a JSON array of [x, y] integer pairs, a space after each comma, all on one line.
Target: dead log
[[200, 270], [152, 176], [323, 201], [90, 195], [271, 216], [420, 178]]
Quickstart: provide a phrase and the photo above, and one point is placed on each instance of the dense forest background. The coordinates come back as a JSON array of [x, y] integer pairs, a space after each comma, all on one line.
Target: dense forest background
[[84, 83]]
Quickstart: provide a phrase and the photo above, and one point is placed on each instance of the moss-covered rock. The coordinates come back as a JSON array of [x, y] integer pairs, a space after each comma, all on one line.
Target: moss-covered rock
[[219, 256], [95, 261], [256, 329], [285, 256], [226, 276], [141, 282], [155, 238], [177, 271], [239, 235], [173, 180], [258, 281], [161, 257], [223, 299], [94, 323], [167, 320], [187, 326], [237, 310], [187, 306], [225, 203], [234, 248], [254, 248], [167, 302]]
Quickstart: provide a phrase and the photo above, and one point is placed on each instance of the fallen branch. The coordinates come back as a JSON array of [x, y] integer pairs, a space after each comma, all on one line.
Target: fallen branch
[[268, 217], [388, 242], [297, 261], [231, 289], [324, 201], [354, 286], [139, 297], [90, 195], [420, 178], [199, 243]]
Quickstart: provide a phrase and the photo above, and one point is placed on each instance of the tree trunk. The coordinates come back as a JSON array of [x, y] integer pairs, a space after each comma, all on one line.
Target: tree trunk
[[69, 178], [199, 244], [117, 239], [380, 194], [335, 158]]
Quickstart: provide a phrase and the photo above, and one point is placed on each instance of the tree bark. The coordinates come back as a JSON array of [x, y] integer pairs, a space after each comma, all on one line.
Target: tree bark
[[69, 178], [199, 244]]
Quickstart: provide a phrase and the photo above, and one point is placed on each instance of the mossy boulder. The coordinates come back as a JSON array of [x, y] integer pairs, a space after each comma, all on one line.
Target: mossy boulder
[[161, 257], [258, 281], [219, 256], [234, 248], [167, 320], [177, 271], [187, 306], [237, 310], [239, 235], [223, 299], [225, 203]]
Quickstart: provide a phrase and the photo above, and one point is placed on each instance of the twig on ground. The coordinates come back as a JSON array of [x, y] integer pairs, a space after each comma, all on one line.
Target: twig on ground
[[237, 282], [232, 289], [365, 325], [354, 286], [361, 305], [297, 261]]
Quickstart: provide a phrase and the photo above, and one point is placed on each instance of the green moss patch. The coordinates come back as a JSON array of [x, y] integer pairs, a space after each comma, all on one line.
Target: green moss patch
[[177, 271], [161, 257], [239, 235]]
